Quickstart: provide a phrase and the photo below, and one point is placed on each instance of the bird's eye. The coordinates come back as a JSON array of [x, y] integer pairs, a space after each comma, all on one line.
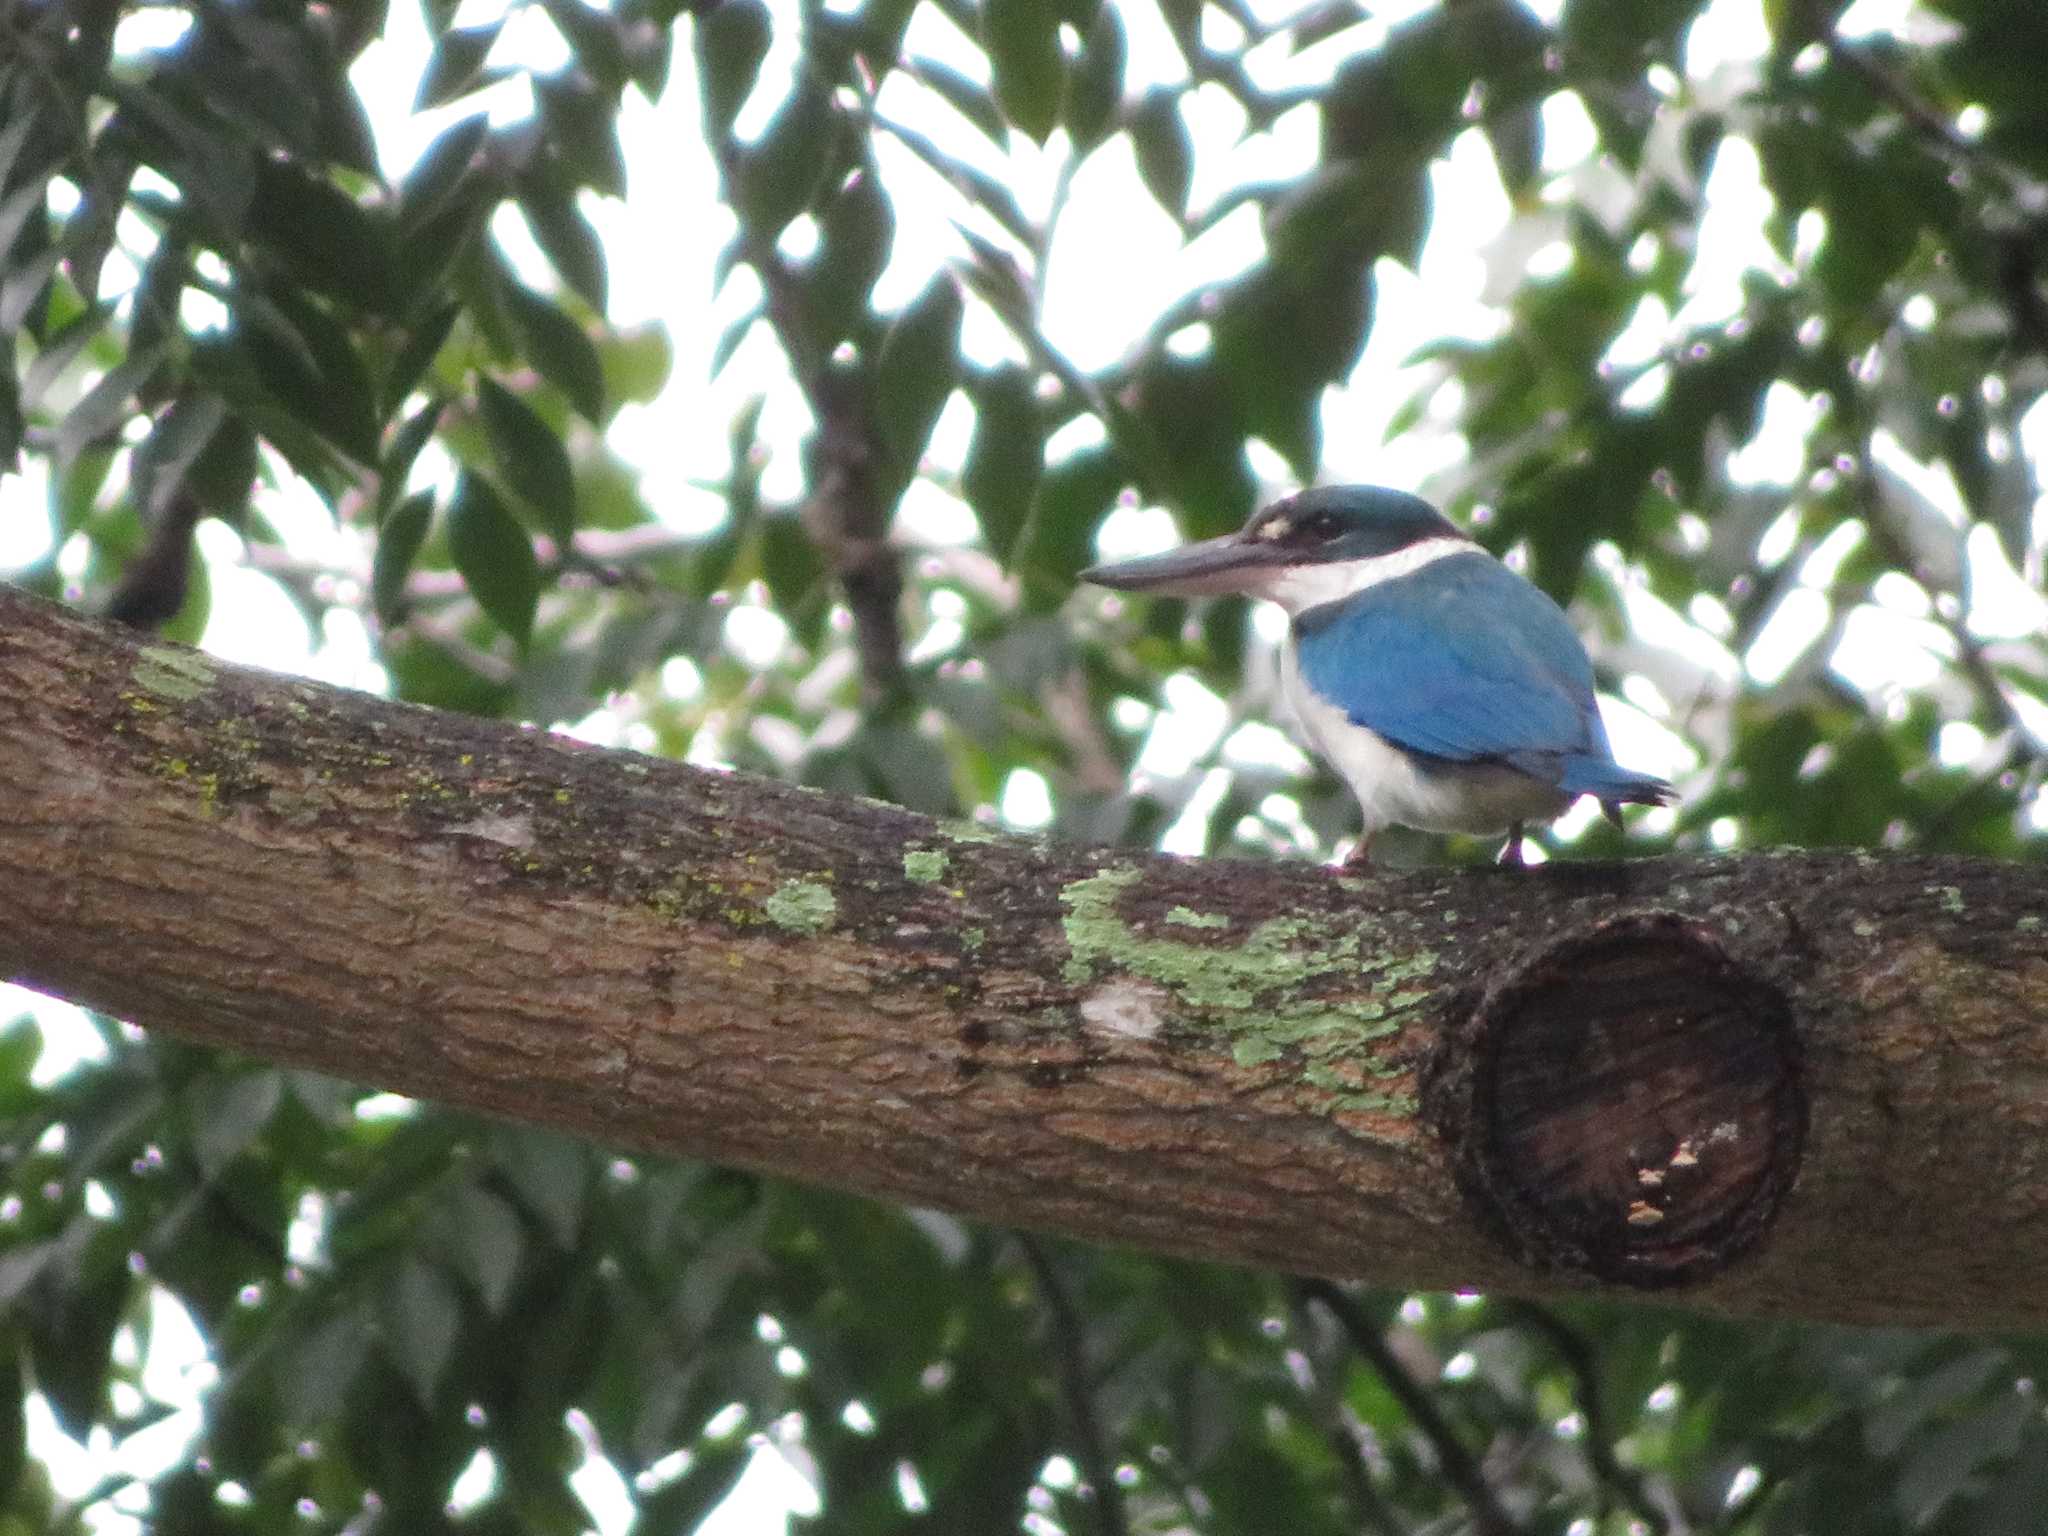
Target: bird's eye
[[1318, 526]]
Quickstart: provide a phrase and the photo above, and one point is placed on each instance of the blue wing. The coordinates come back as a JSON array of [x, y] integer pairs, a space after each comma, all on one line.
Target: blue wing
[[1466, 661]]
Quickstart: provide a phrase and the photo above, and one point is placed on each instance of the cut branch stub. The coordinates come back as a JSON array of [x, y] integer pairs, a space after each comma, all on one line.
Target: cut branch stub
[[1627, 1104]]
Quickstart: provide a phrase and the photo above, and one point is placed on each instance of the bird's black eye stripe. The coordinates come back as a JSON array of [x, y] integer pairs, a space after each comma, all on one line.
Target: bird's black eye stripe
[[1287, 527]]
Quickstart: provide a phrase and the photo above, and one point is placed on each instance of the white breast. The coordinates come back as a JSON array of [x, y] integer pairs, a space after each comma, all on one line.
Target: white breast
[[1393, 790]]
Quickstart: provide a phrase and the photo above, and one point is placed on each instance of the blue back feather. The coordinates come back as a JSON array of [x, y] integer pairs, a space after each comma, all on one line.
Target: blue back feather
[[1465, 661]]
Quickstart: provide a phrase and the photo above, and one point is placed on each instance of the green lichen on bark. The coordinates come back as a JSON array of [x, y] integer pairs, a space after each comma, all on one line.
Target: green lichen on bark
[[1262, 989], [802, 906], [171, 672], [924, 866], [961, 831]]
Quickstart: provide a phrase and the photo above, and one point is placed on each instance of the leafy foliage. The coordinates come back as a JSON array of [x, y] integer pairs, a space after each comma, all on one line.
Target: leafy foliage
[[1796, 510]]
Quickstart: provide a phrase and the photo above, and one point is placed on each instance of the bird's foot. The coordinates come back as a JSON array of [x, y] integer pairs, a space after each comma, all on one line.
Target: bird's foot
[[1360, 856], [1511, 855]]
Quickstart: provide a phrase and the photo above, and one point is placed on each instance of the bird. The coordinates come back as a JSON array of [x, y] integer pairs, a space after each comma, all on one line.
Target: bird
[[1449, 693]]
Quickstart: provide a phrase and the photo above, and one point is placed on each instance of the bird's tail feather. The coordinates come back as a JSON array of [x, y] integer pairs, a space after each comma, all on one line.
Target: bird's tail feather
[[1615, 786]]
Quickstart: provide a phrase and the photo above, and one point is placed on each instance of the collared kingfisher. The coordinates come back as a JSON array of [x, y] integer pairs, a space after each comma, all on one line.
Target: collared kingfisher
[[1449, 693]]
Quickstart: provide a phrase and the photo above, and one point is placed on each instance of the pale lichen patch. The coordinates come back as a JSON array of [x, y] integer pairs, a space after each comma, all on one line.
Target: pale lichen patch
[[802, 906], [1134, 1010], [511, 831]]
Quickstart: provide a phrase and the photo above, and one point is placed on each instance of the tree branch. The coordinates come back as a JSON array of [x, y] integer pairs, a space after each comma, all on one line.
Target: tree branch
[[844, 512], [1533, 1082]]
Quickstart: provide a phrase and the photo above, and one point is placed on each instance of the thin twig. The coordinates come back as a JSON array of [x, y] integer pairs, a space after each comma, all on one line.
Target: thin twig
[[1460, 1469], [1096, 1465], [1910, 106], [2021, 244], [1373, 1511], [1041, 256], [1572, 1348], [1970, 657], [1348, 1437]]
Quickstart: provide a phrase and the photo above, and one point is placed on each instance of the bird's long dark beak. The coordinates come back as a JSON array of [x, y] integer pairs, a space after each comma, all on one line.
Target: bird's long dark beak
[[1208, 569]]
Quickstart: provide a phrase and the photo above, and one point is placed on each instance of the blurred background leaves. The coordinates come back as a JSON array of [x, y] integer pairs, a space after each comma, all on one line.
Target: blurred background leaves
[[1725, 322]]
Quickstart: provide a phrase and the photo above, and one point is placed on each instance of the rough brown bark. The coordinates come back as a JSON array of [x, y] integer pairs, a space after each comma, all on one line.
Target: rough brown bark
[[1828, 1068]]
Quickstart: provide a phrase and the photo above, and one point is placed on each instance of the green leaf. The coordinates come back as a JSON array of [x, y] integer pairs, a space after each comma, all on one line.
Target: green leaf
[[215, 171], [310, 366], [14, 1391], [567, 238], [16, 209], [791, 565], [729, 340], [12, 139], [153, 313], [442, 167], [916, 370], [532, 457], [456, 67], [324, 237], [162, 461], [20, 290], [581, 130], [967, 97], [856, 229], [488, 1239], [1517, 138], [551, 1176], [229, 1112], [13, 422], [1005, 459], [398, 544], [316, 1371], [1795, 23], [732, 40], [494, 555], [60, 351], [420, 1318], [1073, 497], [1165, 153], [994, 196], [89, 232], [417, 356], [406, 444], [778, 176], [105, 406], [637, 363], [435, 247], [1095, 86], [69, 1347], [21, 1047], [560, 349], [225, 470], [1022, 38], [596, 35]]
